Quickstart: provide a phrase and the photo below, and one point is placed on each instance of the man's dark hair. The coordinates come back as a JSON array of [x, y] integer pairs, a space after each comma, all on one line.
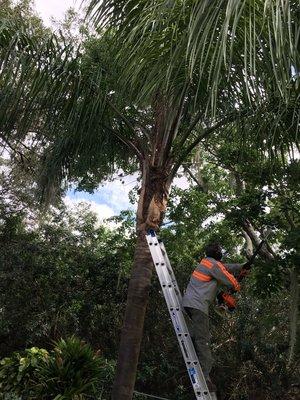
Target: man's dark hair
[[214, 250]]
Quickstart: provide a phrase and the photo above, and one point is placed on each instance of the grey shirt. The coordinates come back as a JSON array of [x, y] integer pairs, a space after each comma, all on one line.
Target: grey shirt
[[205, 280]]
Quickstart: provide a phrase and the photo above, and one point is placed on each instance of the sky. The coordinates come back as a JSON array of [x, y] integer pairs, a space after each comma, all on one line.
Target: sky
[[54, 8], [111, 197]]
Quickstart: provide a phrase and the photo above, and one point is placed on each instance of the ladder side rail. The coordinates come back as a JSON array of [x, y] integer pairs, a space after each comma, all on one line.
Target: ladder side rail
[[173, 300], [179, 323], [164, 251], [164, 277]]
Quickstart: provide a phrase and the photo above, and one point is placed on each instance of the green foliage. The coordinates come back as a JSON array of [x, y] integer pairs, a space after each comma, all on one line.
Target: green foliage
[[23, 12], [251, 347], [72, 370], [19, 373], [214, 45], [69, 275], [62, 274], [95, 108], [65, 276]]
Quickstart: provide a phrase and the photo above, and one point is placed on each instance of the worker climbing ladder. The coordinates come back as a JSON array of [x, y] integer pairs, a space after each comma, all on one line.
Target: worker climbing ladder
[[173, 299]]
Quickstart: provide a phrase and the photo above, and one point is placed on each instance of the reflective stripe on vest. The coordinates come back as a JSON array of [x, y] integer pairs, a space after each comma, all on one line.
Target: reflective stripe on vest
[[231, 278], [206, 263], [201, 277]]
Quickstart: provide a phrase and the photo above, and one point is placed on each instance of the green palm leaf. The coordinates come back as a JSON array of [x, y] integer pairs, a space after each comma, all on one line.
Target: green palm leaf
[[208, 38]]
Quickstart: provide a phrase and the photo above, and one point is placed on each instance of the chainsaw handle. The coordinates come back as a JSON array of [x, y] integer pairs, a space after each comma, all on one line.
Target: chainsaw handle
[[227, 299]]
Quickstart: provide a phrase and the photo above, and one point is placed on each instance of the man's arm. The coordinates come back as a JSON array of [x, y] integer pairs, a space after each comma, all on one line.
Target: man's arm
[[234, 268], [223, 276]]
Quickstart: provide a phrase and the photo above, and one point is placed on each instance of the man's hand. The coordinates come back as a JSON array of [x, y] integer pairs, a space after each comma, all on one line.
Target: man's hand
[[226, 298], [247, 265], [244, 272], [220, 298]]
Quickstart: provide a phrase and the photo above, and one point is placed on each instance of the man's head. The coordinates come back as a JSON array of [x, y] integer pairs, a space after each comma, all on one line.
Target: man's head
[[214, 250]]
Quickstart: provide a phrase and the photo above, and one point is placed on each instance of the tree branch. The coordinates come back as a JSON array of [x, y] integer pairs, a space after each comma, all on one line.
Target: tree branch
[[229, 118], [249, 244], [127, 142], [168, 140], [190, 129], [137, 149], [18, 152], [122, 116], [194, 178], [264, 251]]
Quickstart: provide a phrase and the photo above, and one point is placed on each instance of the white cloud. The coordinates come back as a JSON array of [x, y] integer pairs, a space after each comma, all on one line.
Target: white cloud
[[181, 182], [54, 8], [102, 211], [4, 153], [116, 193]]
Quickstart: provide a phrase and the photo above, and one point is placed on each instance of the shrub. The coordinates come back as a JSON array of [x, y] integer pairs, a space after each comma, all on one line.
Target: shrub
[[18, 373], [71, 371]]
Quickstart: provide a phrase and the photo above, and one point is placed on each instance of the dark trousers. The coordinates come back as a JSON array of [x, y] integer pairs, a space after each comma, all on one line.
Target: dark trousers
[[199, 330]]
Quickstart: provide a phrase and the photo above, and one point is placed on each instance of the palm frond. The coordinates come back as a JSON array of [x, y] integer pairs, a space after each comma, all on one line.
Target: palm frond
[[48, 88], [205, 38], [202, 68]]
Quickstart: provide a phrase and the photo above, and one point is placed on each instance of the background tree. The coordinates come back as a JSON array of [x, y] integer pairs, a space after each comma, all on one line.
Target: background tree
[[67, 275]]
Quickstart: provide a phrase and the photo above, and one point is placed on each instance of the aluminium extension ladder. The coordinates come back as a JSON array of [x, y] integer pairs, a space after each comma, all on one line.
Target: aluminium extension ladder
[[173, 299]]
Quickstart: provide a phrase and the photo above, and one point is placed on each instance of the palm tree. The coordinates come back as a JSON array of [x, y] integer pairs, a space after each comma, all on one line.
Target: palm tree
[[161, 77]]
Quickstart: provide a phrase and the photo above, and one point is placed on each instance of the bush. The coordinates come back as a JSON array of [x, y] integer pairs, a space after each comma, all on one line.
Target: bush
[[18, 373], [72, 370]]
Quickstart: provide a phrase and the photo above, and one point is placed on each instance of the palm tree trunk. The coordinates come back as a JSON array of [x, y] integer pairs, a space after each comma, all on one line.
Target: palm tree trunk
[[132, 330], [151, 206]]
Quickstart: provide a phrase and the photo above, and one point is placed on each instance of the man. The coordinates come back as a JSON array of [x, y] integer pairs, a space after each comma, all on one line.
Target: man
[[200, 293]]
